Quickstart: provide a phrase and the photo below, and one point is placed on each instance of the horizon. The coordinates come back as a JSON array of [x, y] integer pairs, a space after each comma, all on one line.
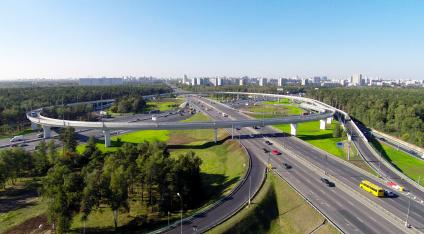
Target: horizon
[[65, 40]]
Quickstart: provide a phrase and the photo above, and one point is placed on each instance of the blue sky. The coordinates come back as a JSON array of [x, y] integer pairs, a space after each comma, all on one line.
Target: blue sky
[[60, 39]]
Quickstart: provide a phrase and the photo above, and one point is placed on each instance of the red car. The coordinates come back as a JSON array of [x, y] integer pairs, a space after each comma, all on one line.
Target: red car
[[275, 152]]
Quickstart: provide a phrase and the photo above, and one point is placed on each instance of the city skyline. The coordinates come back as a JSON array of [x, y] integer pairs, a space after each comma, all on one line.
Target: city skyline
[[57, 39]]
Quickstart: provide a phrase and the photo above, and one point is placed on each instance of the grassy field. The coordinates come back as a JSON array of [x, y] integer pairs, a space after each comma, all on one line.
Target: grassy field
[[277, 208], [164, 104], [323, 139], [407, 164], [132, 137], [274, 110], [281, 101], [27, 204]]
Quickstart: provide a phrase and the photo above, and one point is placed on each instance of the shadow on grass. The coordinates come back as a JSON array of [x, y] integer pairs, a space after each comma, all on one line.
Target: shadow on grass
[[315, 137], [202, 146], [259, 220], [13, 199], [377, 145]]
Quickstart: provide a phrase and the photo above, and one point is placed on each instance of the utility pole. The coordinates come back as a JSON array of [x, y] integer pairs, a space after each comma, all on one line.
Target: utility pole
[[348, 151]]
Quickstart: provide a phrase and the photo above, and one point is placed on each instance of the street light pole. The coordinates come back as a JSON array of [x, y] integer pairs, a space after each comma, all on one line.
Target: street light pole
[[181, 199], [407, 215]]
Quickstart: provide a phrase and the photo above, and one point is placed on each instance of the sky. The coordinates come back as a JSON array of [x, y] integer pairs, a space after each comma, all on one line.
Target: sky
[[96, 38]]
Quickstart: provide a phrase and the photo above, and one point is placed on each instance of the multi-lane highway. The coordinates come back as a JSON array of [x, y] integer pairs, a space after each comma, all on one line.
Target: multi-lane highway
[[396, 206]]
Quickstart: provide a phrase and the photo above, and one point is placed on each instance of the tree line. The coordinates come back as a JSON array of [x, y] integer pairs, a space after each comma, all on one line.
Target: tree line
[[76, 183], [396, 111], [14, 102], [129, 104]]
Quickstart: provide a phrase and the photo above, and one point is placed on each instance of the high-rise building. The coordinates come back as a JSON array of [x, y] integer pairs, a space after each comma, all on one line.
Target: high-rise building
[[357, 80], [242, 81], [262, 81], [218, 81]]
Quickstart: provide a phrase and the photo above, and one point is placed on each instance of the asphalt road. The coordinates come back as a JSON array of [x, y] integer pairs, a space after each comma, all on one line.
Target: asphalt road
[[348, 176], [374, 161]]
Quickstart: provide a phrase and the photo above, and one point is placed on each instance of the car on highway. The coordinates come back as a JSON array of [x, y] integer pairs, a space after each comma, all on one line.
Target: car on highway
[[287, 166], [17, 138], [256, 127], [275, 152], [265, 150], [40, 135], [389, 193], [327, 182], [268, 142], [237, 129]]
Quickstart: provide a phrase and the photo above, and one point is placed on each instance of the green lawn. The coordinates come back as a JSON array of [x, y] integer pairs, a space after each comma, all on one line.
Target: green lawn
[[277, 208], [323, 139], [132, 137], [30, 208], [274, 110], [164, 104], [407, 164], [281, 101]]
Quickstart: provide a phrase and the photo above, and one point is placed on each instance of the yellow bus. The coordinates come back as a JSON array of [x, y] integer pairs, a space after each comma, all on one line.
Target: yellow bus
[[372, 188]]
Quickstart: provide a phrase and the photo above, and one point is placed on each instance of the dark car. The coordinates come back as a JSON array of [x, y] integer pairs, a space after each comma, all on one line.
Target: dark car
[[327, 182], [265, 150], [268, 142], [287, 166], [237, 129], [256, 127]]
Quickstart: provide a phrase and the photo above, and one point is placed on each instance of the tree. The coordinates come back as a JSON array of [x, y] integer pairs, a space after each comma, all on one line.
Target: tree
[[115, 186], [68, 138], [91, 194], [61, 189], [337, 131], [41, 162], [187, 178]]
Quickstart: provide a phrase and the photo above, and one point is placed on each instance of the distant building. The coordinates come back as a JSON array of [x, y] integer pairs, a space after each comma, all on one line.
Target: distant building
[[100, 81], [357, 80], [218, 81], [242, 81], [282, 81], [262, 81], [316, 79], [305, 82]]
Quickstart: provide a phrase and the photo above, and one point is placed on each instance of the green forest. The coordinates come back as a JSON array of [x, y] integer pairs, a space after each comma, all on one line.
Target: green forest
[[396, 111], [14, 102]]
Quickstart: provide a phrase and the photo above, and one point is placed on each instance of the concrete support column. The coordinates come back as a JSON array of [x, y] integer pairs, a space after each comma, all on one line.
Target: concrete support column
[[232, 132], [106, 133], [322, 124], [46, 132], [34, 126], [216, 134], [329, 120], [293, 129]]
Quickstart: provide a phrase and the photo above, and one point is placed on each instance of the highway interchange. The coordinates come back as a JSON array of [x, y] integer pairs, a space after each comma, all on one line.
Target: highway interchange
[[339, 204]]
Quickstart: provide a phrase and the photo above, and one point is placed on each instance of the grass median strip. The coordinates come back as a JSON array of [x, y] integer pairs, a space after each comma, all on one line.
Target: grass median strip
[[407, 164], [277, 208]]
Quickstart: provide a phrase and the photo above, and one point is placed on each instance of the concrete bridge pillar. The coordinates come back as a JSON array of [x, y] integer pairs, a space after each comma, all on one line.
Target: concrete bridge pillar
[[216, 135], [322, 124], [293, 129], [106, 133], [232, 132], [329, 120], [34, 126], [46, 132]]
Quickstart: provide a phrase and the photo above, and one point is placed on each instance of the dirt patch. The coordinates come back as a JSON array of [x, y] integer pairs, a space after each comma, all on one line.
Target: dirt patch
[[34, 225]]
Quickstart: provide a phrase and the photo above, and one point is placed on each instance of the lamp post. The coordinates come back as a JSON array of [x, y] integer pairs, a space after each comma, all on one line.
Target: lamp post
[[181, 199], [407, 214]]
